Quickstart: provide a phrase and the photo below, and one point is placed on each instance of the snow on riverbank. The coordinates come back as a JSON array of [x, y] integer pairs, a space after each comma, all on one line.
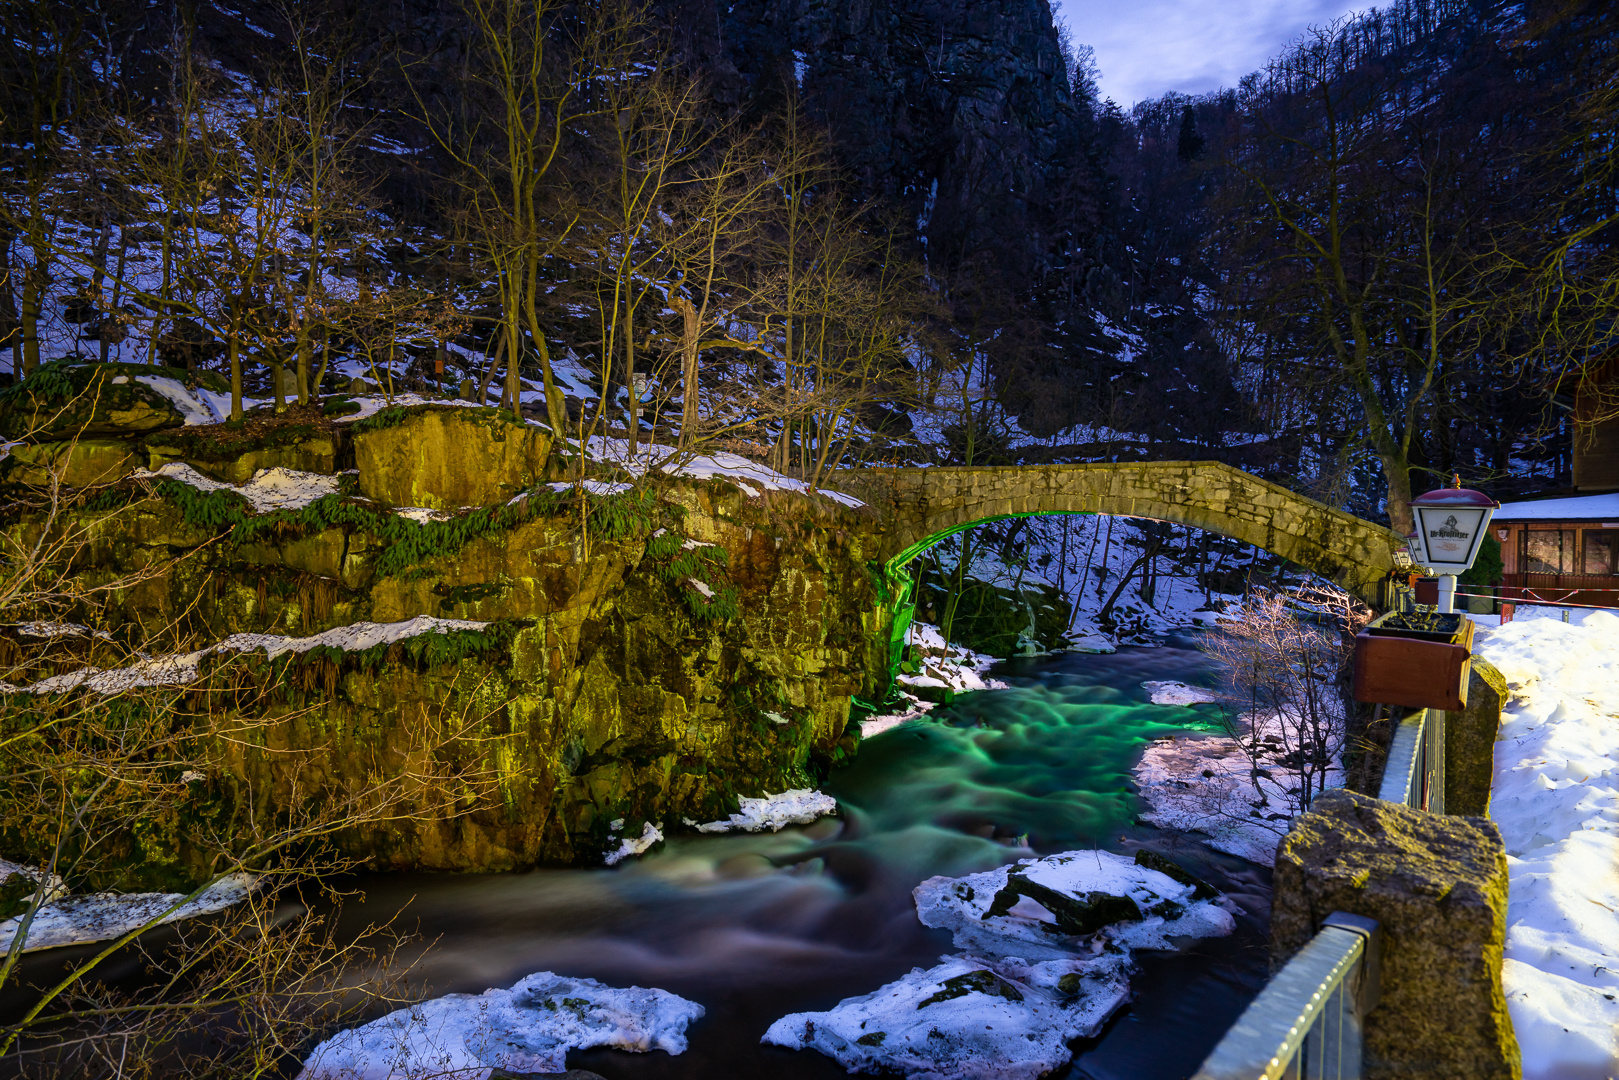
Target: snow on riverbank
[[103, 916], [1556, 801], [1047, 956], [527, 1029], [939, 666]]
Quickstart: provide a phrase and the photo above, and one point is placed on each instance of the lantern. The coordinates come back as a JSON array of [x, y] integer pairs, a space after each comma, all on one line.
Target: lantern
[[1451, 525]]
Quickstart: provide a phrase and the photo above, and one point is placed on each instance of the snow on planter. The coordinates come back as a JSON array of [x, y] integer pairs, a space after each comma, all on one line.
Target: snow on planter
[[798, 806], [527, 1029], [269, 489], [1047, 957], [103, 916]]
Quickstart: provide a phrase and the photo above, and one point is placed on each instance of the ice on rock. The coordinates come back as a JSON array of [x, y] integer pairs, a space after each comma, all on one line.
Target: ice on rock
[[798, 806], [1178, 693], [1047, 958], [529, 1028]]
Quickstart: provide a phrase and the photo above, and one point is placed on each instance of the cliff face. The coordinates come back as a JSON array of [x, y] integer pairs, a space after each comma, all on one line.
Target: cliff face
[[646, 653], [959, 110]]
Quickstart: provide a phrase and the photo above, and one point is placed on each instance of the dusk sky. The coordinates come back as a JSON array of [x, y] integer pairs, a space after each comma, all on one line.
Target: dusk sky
[[1148, 47]]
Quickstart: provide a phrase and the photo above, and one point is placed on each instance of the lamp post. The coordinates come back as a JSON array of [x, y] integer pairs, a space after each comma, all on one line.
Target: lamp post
[[1451, 525]]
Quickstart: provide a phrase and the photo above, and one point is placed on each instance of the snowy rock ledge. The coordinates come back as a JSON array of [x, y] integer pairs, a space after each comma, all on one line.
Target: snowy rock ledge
[[104, 916], [1047, 957], [179, 668], [798, 806], [527, 1029]]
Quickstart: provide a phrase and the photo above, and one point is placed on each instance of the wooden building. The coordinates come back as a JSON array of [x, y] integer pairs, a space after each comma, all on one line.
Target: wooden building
[[1564, 550]]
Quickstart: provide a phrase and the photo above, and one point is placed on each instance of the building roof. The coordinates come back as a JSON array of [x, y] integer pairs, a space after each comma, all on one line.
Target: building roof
[[1604, 508]]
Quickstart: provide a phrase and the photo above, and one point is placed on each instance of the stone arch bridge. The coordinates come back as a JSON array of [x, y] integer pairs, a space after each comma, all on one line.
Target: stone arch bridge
[[920, 507]]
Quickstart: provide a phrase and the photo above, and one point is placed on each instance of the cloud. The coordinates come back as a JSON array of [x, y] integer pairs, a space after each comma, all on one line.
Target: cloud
[[1146, 48]]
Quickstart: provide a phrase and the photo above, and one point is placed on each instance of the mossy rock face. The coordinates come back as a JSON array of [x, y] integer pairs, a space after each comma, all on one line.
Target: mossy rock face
[[448, 458], [619, 698], [62, 400], [77, 463]]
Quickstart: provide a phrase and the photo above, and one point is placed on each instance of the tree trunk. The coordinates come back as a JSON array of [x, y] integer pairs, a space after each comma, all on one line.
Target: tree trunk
[[690, 332]]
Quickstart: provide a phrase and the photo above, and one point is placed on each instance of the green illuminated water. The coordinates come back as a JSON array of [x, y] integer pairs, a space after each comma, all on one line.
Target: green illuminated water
[[754, 927]]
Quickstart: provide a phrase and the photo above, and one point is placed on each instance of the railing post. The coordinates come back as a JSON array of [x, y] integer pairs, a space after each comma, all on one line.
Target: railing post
[[1307, 1021]]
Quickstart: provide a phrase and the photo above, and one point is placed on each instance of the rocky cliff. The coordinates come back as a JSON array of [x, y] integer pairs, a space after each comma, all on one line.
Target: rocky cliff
[[616, 649]]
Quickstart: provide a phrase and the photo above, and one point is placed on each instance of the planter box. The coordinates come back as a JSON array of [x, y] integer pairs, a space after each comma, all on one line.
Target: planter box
[[1414, 668]]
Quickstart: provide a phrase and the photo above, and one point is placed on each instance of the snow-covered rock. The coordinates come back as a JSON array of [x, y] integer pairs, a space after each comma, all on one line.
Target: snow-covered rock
[[959, 1020], [528, 1028], [1047, 957], [75, 920], [630, 847], [798, 806], [269, 489], [1042, 908]]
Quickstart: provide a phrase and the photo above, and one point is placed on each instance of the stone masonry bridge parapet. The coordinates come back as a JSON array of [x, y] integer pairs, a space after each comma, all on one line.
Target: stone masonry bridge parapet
[[922, 506]]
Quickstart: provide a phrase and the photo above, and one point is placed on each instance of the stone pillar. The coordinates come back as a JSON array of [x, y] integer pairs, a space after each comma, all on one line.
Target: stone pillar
[[1470, 741], [1438, 885]]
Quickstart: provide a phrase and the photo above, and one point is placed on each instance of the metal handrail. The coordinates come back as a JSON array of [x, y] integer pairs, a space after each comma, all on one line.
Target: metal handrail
[[1307, 1022], [1415, 772]]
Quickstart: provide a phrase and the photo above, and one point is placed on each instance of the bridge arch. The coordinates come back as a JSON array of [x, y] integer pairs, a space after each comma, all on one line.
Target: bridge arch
[[920, 507]]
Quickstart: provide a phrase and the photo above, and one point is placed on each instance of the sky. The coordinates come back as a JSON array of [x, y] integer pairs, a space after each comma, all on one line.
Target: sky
[[1146, 48]]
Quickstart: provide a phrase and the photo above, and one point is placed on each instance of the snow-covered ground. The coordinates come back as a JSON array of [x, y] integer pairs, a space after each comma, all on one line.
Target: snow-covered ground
[[1556, 801], [527, 1029], [1046, 958], [75, 920]]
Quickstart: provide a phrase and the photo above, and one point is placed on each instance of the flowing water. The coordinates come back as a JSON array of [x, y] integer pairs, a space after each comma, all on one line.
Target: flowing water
[[754, 927]]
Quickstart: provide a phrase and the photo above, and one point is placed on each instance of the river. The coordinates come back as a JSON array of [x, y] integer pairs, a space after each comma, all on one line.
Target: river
[[757, 926]]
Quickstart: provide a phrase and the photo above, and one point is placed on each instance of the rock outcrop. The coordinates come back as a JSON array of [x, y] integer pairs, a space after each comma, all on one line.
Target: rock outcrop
[[1438, 886], [650, 650]]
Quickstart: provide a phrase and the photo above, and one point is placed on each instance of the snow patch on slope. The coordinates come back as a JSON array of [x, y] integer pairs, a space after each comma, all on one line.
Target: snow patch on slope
[[269, 489]]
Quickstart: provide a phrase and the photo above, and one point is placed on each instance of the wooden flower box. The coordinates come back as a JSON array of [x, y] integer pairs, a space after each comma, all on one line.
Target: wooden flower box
[[1417, 661]]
